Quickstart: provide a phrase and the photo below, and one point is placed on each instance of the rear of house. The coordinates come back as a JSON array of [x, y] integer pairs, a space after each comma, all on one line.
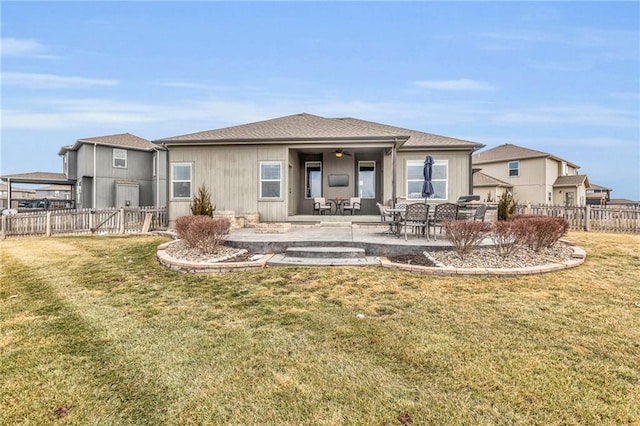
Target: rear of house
[[277, 167]]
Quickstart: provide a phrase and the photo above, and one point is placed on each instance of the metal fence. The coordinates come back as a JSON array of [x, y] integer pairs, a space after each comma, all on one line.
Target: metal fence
[[85, 221], [591, 218]]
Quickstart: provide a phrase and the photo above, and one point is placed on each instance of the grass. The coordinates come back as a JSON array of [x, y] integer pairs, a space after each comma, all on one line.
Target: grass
[[94, 331]]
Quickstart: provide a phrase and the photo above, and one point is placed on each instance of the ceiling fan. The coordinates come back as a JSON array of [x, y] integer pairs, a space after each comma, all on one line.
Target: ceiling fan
[[340, 153]]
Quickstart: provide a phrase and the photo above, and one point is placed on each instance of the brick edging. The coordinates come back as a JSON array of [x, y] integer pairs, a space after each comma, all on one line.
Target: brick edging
[[203, 267], [578, 258]]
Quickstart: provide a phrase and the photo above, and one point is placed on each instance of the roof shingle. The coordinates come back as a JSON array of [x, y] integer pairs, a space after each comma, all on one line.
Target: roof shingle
[[312, 127]]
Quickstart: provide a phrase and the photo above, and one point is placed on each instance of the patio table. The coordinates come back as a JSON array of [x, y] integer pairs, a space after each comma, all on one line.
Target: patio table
[[338, 203]]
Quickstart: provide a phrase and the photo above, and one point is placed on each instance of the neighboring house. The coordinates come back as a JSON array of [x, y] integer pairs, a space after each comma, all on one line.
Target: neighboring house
[[489, 188], [598, 195], [18, 194], [536, 177], [116, 171], [276, 167], [54, 192]]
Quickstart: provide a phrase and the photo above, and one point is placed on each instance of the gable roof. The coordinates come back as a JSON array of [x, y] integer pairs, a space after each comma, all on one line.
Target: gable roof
[[601, 188], [510, 152], [309, 127], [481, 179], [122, 140], [571, 181]]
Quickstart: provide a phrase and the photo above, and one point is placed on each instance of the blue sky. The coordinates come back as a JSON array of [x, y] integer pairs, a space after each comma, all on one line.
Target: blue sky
[[559, 77]]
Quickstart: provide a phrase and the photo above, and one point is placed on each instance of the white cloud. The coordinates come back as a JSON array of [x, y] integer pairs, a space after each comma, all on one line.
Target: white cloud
[[23, 47], [588, 115], [462, 84], [51, 81]]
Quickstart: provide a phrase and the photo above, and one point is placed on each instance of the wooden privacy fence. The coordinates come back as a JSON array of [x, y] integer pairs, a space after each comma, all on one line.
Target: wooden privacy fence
[[111, 221], [591, 218]]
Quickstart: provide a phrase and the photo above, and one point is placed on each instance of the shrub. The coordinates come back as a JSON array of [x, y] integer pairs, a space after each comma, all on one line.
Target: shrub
[[203, 233], [506, 206], [201, 205], [542, 231], [509, 236], [465, 235]]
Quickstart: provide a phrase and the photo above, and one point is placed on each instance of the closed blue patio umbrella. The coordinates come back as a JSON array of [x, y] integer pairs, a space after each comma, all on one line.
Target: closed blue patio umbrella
[[427, 171]]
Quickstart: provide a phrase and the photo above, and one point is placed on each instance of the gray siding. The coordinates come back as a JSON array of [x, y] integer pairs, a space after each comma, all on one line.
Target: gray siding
[[231, 174]]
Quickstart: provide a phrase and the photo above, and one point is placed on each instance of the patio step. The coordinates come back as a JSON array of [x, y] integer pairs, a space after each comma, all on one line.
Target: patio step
[[326, 252], [331, 224], [323, 256]]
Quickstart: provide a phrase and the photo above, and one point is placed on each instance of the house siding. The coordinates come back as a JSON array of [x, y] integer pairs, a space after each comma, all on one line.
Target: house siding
[[231, 174]]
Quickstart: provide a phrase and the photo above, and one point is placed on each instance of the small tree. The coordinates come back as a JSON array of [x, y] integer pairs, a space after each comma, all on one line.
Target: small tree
[[201, 205], [506, 206]]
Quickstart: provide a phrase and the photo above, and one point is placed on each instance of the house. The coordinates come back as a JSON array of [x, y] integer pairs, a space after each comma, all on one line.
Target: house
[[19, 194], [533, 176], [488, 188], [276, 167], [120, 170], [598, 195], [54, 192]]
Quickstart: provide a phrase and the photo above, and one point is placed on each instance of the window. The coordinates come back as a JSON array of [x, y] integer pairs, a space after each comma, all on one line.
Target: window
[[120, 158], [514, 168], [181, 180], [313, 179], [367, 179], [270, 179], [154, 165], [439, 179]]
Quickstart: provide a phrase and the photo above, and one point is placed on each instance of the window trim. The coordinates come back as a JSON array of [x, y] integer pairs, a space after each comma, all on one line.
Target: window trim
[[261, 180], [368, 163], [190, 180], [118, 157], [415, 162], [516, 168]]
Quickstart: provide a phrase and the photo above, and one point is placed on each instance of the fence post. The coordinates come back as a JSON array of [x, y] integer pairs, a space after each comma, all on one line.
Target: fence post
[[47, 232], [122, 220], [587, 218], [91, 212], [4, 226]]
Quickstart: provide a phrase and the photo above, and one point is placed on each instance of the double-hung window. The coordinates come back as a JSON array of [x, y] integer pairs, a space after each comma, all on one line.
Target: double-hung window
[[270, 180], [120, 158], [514, 168], [439, 179], [181, 178]]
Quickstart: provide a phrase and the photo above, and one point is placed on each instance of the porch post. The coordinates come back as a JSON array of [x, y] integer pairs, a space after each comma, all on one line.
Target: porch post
[[393, 173]]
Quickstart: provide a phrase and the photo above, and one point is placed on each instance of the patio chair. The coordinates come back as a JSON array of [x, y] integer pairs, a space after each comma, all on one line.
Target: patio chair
[[353, 205], [481, 211], [320, 205], [416, 216], [445, 212]]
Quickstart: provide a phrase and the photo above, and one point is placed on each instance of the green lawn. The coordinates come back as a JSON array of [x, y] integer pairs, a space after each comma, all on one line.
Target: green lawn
[[94, 331]]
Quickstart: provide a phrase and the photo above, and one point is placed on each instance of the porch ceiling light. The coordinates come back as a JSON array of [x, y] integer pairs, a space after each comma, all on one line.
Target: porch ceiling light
[[338, 154]]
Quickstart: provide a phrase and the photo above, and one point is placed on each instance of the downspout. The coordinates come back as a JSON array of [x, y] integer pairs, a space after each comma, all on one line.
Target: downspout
[[393, 172], [95, 183], [470, 189], [157, 173], [8, 193]]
